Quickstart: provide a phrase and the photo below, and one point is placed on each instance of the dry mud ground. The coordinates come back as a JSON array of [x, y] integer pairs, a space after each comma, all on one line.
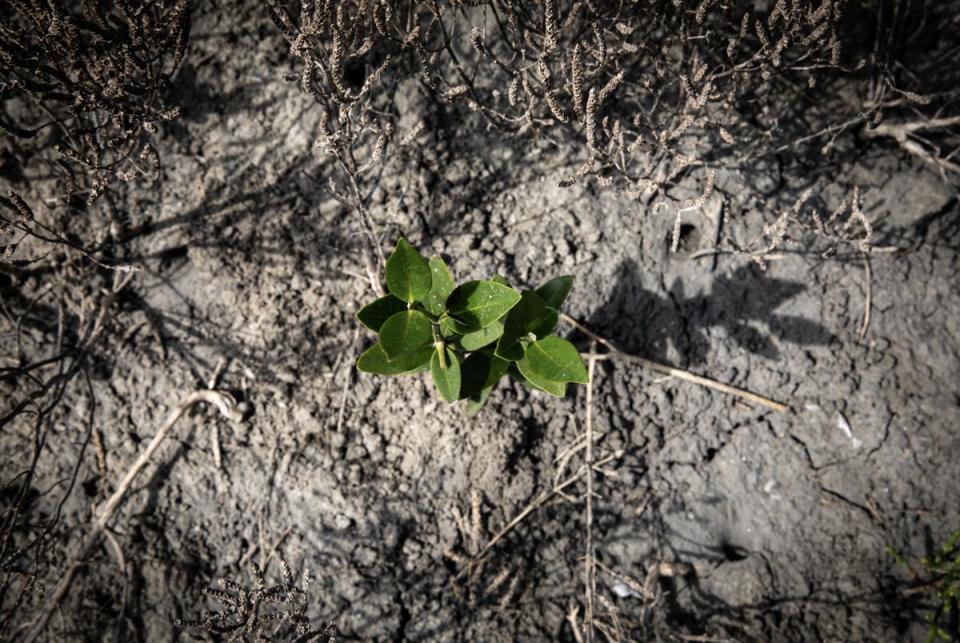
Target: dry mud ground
[[780, 519]]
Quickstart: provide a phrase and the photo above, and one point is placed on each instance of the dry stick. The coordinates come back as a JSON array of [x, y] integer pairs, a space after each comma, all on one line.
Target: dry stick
[[227, 406], [214, 427], [101, 454], [616, 353], [366, 223], [533, 506], [346, 382], [716, 252], [276, 545], [589, 571], [868, 297], [900, 132], [574, 623]]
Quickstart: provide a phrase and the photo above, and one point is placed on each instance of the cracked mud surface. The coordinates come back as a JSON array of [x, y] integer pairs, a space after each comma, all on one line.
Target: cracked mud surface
[[784, 518]]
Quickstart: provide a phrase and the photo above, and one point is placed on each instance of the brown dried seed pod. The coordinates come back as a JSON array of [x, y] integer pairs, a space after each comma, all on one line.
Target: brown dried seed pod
[[555, 109], [170, 114], [549, 25], [513, 91], [374, 77], [610, 87], [543, 71], [149, 155], [23, 210], [601, 42], [576, 79], [453, 92], [476, 40], [590, 119], [916, 98], [762, 35], [701, 14], [306, 76], [822, 12], [126, 175]]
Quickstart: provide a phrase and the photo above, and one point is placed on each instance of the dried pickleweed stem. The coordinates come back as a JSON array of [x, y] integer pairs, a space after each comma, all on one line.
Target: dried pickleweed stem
[[104, 90]]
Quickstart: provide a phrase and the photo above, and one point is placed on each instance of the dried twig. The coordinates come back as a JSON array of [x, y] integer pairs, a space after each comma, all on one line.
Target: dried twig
[[616, 353], [589, 572], [902, 132], [100, 453], [538, 502], [227, 406], [868, 297]]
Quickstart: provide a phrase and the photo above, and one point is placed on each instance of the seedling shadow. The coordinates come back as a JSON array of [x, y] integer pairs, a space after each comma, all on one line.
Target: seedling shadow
[[743, 303]]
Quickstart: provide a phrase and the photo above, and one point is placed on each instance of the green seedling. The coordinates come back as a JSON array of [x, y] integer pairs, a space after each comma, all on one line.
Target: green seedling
[[467, 336], [942, 579]]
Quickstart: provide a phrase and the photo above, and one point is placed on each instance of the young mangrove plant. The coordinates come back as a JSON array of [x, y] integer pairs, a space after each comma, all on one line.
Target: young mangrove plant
[[468, 336]]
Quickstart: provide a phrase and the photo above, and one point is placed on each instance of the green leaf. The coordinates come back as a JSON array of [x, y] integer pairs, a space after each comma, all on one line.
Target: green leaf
[[475, 403], [405, 332], [500, 279], [374, 360], [479, 303], [441, 287], [446, 376], [481, 371], [450, 328], [548, 324], [477, 339], [407, 273], [559, 389], [526, 315], [555, 291], [374, 314], [552, 359], [509, 348]]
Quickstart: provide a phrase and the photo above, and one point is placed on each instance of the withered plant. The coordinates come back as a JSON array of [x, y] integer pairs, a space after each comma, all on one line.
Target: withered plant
[[664, 101], [716, 90], [84, 86], [50, 333], [91, 79], [353, 55], [274, 613], [652, 96]]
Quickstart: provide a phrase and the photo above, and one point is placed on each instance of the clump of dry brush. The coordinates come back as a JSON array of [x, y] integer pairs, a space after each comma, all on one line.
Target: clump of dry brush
[[353, 56], [648, 89], [91, 79], [264, 613], [84, 87], [655, 97]]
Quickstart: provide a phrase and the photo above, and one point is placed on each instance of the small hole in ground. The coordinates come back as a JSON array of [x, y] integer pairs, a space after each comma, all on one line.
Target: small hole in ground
[[733, 553], [689, 239]]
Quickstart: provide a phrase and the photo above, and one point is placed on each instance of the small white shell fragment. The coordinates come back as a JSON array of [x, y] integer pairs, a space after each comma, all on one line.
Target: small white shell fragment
[[624, 591], [844, 426]]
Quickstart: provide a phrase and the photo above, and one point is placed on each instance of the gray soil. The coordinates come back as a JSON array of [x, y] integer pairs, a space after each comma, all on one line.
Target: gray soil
[[780, 520]]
